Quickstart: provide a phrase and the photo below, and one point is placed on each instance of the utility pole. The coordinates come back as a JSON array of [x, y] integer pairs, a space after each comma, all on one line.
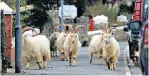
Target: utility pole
[[0, 40], [18, 40], [62, 14]]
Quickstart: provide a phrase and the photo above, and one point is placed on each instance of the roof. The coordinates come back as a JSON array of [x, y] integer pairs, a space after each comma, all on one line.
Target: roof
[[6, 8]]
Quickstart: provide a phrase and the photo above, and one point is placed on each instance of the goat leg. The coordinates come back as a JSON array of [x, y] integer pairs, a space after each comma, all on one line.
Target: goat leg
[[74, 61], [27, 65], [108, 64], [40, 65], [100, 60], [91, 55], [70, 60]]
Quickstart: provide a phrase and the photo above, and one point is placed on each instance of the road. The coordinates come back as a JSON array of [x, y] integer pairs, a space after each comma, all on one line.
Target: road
[[83, 67]]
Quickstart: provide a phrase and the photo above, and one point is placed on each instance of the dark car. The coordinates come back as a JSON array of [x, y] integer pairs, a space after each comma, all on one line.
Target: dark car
[[144, 49], [134, 33], [138, 34], [134, 28], [144, 45]]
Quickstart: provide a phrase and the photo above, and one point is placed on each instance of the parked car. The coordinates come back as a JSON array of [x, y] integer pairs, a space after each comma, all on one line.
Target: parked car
[[133, 28], [144, 45], [138, 33]]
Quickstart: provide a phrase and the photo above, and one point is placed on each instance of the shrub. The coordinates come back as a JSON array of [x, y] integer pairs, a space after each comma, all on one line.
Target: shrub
[[99, 9], [3, 34]]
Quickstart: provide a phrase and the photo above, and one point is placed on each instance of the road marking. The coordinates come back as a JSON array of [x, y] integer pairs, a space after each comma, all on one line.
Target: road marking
[[128, 73]]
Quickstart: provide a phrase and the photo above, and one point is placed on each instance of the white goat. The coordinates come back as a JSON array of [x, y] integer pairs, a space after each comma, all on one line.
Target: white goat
[[95, 47], [111, 50], [37, 47], [53, 47], [72, 46], [59, 43]]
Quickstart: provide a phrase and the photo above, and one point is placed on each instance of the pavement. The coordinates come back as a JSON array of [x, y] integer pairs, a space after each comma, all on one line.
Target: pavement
[[83, 67]]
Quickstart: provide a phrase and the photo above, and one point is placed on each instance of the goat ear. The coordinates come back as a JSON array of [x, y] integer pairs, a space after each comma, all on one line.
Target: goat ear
[[25, 35], [105, 30], [65, 35], [102, 34], [111, 33], [102, 38], [69, 32], [70, 35], [110, 30], [77, 33]]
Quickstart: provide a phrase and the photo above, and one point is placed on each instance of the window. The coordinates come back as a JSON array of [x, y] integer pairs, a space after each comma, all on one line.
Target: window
[[145, 14], [134, 26]]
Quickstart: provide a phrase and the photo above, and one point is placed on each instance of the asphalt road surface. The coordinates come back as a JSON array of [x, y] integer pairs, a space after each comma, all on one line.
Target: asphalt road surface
[[83, 67]]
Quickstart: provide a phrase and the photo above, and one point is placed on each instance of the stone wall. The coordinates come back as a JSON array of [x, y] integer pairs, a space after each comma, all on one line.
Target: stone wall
[[118, 35], [83, 35]]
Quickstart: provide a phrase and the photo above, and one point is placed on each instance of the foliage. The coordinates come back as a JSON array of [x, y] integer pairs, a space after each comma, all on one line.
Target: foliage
[[36, 17], [13, 26], [125, 8], [23, 17], [3, 34], [12, 3], [41, 4], [39, 16], [101, 9]]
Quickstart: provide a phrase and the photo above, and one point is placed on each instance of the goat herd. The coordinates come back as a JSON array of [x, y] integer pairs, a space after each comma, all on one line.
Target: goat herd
[[42, 49]]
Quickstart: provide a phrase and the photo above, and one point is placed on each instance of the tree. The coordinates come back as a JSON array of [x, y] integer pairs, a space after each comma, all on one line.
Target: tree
[[39, 16], [12, 3], [101, 9]]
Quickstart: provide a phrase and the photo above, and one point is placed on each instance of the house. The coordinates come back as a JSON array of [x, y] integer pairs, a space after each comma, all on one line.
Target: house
[[7, 11]]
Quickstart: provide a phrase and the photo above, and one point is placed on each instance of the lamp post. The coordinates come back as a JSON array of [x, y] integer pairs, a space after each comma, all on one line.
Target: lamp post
[[18, 40], [62, 27], [62, 3]]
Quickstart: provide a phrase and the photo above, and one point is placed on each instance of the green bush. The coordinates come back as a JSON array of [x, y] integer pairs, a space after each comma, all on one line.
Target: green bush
[[3, 34], [99, 9]]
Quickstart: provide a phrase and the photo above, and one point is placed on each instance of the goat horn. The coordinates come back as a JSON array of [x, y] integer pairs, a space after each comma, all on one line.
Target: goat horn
[[26, 29], [109, 30]]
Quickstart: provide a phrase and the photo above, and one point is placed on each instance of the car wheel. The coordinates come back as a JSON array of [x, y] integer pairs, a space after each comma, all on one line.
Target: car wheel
[[142, 69]]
